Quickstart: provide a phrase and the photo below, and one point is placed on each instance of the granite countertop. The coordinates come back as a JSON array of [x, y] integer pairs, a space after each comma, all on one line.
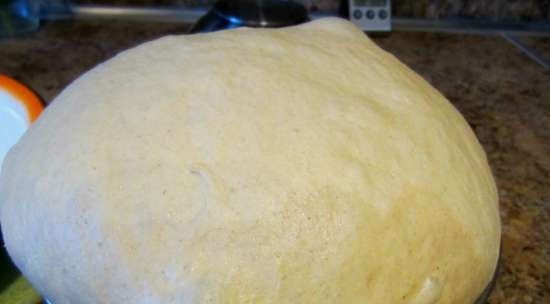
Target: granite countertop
[[504, 96]]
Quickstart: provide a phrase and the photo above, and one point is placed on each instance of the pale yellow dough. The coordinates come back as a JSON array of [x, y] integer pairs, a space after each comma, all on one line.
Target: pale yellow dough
[[296, 165]]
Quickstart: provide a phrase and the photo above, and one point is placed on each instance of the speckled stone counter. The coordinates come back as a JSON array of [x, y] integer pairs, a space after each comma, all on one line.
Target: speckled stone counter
[[504, 96]]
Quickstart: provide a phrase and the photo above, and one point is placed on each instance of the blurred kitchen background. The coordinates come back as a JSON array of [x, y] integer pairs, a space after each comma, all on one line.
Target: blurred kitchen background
[[497, 10], [489, 57]]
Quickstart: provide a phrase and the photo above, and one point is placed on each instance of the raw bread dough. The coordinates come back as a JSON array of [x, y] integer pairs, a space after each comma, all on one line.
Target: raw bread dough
[[296, 165]]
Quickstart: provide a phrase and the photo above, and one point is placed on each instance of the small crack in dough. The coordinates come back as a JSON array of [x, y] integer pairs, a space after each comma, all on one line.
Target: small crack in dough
[[430, 292], [205, 191]]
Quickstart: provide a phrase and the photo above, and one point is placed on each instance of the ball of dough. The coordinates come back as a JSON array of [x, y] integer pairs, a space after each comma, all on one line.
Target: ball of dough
[[294, 165]]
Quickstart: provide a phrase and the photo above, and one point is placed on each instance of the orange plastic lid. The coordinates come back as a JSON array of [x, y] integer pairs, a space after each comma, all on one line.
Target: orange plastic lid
[[19, 107]]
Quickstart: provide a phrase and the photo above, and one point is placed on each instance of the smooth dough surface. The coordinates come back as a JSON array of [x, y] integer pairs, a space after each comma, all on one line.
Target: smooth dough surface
[[296, 165]]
